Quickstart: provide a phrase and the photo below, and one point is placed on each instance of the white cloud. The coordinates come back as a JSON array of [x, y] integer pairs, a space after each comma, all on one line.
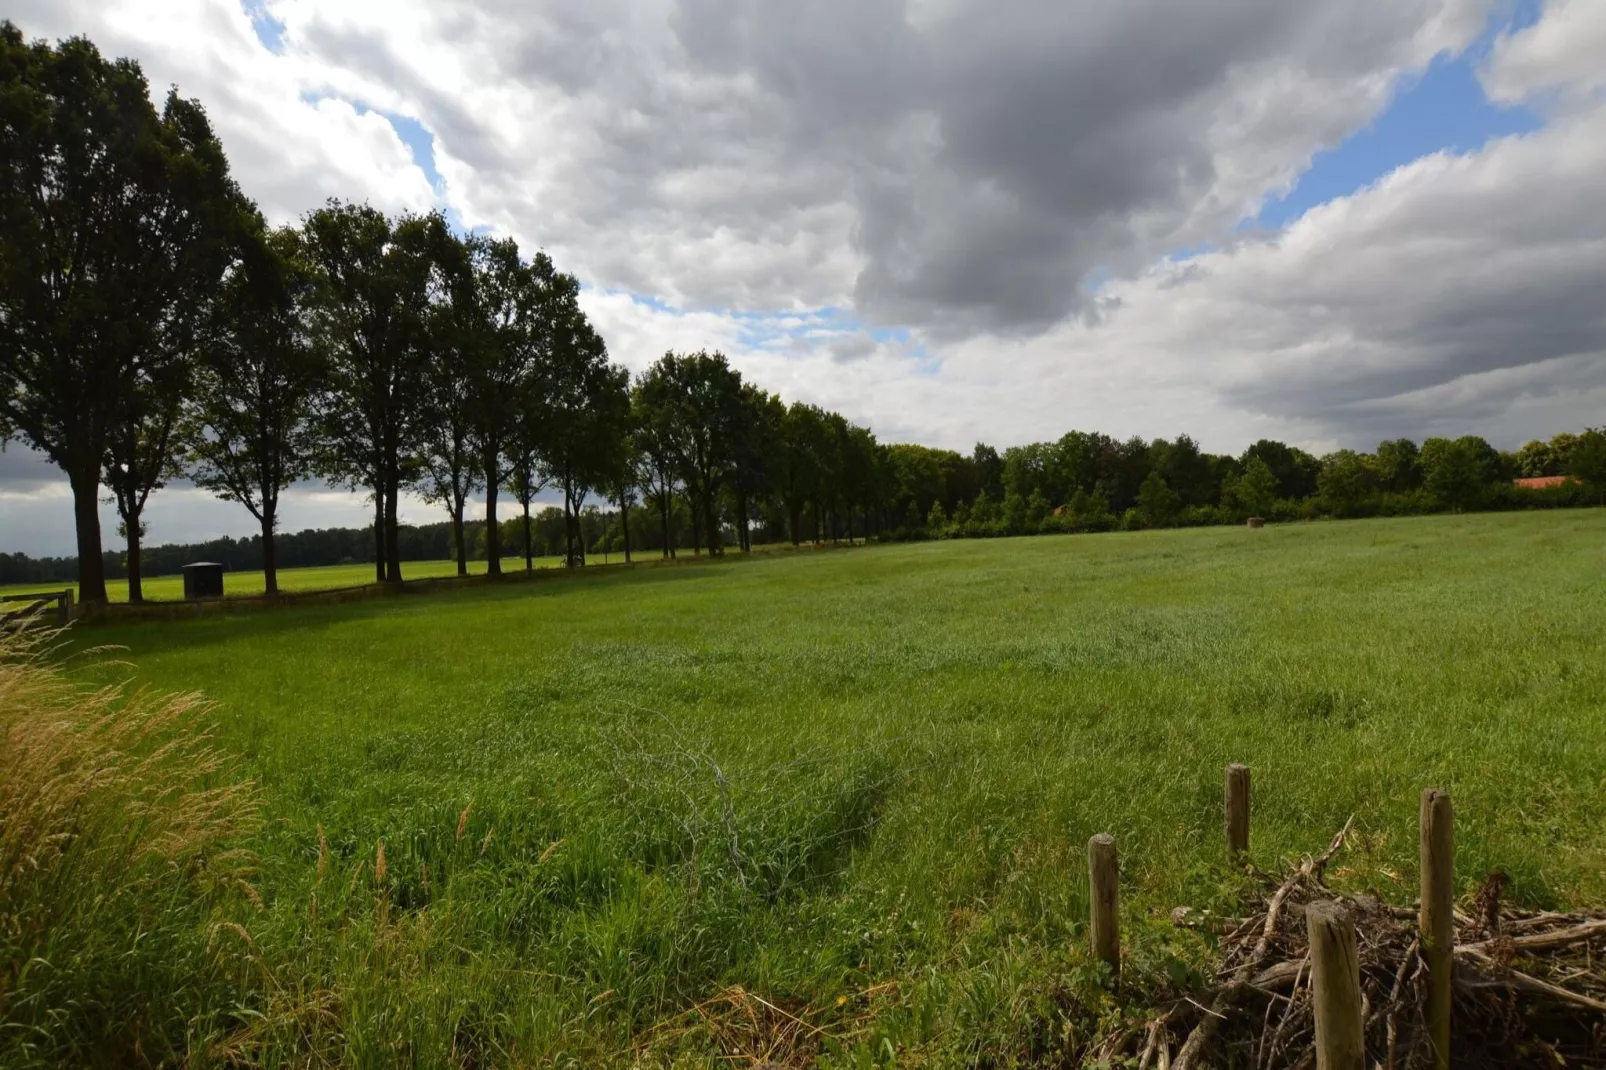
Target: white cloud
[[1564, 52], [290, 149]]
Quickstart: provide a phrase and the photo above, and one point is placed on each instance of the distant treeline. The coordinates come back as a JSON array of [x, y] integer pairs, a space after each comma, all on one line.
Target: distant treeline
[[1091, 482], [1083, 482]]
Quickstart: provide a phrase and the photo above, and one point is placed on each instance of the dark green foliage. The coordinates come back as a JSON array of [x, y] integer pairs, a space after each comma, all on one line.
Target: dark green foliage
[[586, 404], [115, 222], [1458, 472], [248, 434], [1157, 501], [1348, 481], [1587, 460], [1398, 467], [695, 405], [989, 470], [1253, 493], [373, 321], [1296, 470]]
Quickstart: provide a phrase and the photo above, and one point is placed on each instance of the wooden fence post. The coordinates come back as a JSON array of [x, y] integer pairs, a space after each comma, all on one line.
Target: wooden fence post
[[1237, 810], [1437, 918], [1335, 974], [1104, 876], [66, 607]]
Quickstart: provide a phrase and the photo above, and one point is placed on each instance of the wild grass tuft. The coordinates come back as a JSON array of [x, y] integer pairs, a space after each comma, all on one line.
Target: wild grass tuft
[[119, 826]]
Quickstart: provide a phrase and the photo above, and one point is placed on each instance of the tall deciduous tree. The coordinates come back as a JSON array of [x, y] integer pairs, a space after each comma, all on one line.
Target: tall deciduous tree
[[1586, 459], [376, 279], [799, 463], [652, 416], [625, 463], [527, 478], [1397, 465], [755, 448], [518, 304], [703, 397], [588, 409], [457, 331], [114, 221], [1251, 494], [1157, 501], [248, 436]]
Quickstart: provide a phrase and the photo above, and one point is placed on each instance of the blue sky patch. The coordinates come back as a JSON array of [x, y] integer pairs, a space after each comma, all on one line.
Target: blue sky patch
[[1443, 109], [269, 30], [419, 141]]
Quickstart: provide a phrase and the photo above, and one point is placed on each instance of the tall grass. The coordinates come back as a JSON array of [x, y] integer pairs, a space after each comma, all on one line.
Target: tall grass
[[118, 821], [656, 819]]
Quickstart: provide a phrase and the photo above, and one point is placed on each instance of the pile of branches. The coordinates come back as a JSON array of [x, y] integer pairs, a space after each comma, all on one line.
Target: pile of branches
[[1529, 987]]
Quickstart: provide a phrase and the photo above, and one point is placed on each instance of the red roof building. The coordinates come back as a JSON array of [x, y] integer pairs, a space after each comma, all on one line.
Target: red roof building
[[1542, 482]]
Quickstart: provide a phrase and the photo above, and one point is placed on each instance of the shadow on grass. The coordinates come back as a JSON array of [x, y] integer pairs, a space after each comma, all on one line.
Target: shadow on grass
[[157, 635]]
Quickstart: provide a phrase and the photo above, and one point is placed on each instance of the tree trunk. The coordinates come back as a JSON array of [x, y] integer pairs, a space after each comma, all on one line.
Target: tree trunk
[[711, 525], [624, 520], [136, 590], [743, 542], [270, 557], [529, 547], [493, 530], [663, 511], [393, 573], [379, 534], [86, 514], [571, 533], [457, 536]]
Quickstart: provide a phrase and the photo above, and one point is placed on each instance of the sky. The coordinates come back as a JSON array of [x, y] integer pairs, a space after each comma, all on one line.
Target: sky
[[1324, 221]]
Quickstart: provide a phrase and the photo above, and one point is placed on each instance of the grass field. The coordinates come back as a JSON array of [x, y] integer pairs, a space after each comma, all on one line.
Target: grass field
[[171, 588], [617, 810]]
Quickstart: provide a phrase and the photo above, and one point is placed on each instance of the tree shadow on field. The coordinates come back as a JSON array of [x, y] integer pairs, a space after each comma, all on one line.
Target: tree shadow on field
[[139, 638]]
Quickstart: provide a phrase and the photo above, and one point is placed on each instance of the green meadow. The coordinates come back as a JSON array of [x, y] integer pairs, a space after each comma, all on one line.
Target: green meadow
[[662, 816]]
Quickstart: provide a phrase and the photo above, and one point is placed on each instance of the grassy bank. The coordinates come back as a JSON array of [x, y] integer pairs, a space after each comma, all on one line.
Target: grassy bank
[[652, 818]]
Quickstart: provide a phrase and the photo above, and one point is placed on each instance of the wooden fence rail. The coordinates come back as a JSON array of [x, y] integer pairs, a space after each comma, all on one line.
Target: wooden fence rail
[[30, 609]]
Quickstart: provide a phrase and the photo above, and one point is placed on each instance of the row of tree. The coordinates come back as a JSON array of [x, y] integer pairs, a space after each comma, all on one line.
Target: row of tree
[[153, 326], [321, 547]]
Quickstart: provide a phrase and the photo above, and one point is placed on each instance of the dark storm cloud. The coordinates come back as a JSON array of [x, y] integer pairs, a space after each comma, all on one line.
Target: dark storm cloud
[[978, 160], [997, 154], [23, 470]]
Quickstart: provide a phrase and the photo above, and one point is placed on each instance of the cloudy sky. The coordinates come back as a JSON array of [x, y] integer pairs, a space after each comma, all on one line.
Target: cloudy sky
[[1326, 221]]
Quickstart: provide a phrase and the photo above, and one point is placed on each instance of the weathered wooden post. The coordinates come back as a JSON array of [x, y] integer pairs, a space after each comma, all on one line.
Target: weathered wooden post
[[1437, 920], [1335, 977], [1237, 810], [1104, 902], [66, 607]]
